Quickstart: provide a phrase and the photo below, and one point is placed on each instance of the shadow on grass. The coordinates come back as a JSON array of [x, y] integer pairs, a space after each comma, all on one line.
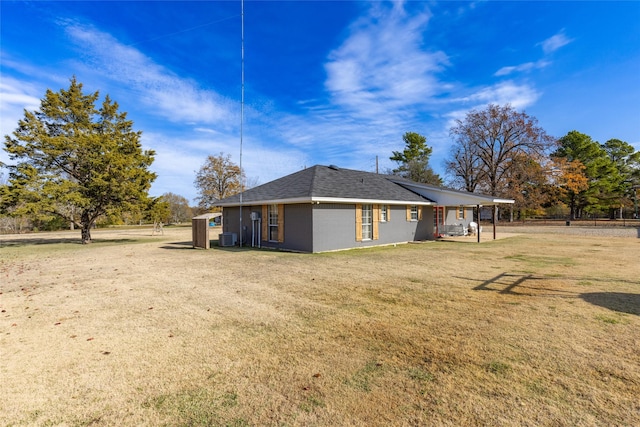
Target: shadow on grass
[[178, 245], [516, 284], [17, 243], [617, 301], [214, 245]]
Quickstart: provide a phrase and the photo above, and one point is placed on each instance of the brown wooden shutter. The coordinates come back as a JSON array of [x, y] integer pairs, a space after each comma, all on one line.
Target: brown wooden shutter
[[280, 223], [358, 223], [464, 213], [265, 223], [376, 220], [419, 213], [408, 212], [388, 213]]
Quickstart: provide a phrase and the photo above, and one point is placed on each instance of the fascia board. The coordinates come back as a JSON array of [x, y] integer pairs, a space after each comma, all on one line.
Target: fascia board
[[266, 202], [325, 200], [445, 197], [372, 201]]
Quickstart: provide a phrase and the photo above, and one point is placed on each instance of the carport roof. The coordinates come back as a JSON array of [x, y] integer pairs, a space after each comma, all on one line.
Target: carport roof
[[449, 197]]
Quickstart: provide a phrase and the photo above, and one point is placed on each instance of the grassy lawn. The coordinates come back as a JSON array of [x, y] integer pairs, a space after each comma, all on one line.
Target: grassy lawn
[[537, 329]]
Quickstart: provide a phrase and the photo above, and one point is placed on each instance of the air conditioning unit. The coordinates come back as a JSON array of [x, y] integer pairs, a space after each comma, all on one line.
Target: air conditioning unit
[[227, 239]]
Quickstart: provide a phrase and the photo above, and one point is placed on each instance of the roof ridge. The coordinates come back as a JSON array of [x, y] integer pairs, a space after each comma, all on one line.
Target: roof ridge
[[312, 181]]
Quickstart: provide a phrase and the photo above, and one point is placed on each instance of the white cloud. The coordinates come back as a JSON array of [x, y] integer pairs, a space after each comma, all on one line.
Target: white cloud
[[555, 42], [549, 46], [15, 97], [164, 92], [519, 96], [382, 65], [528, 66]]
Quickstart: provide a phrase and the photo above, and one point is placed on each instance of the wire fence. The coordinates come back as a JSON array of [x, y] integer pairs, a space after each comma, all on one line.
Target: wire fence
[[595, 222]]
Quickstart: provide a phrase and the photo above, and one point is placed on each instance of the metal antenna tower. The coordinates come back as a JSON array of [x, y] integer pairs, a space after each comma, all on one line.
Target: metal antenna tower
[[240, 235]]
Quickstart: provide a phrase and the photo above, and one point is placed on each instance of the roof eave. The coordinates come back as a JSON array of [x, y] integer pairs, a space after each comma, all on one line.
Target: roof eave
[[317, 200]]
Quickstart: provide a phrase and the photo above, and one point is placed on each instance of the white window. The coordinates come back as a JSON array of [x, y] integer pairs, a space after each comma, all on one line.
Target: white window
[[414, 212], [273, 223], [460, 213], [367, 222], [384, 213]]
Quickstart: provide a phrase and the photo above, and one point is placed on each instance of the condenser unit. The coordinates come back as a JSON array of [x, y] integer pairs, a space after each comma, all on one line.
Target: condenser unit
[[227, 239]]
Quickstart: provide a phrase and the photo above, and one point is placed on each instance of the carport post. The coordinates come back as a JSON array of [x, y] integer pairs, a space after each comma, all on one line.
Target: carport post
[[495, 219], [478, 230]]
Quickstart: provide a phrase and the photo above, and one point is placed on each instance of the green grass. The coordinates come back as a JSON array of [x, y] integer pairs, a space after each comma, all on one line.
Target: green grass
[[363, 378], [197, 407], [311, 403], [611, 320], [498, 368], [421, 375]]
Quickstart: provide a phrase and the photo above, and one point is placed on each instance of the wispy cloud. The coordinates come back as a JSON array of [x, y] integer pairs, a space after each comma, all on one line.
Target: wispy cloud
[[509, 92], [549, 46], [555, 42], [15, 97], [382, 64], [528, 66], [171, 96]]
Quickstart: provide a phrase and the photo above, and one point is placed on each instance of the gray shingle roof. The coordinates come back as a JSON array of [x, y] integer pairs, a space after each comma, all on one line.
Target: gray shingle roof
[[321, 182]]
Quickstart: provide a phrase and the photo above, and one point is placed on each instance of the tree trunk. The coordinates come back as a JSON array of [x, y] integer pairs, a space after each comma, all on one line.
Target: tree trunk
[[86, 224]]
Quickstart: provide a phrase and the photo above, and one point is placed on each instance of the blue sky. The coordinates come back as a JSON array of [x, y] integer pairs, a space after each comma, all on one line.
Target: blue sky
[[330, 82]]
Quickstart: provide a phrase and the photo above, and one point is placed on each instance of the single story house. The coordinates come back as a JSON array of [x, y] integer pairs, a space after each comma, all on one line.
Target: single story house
[[326, 208]]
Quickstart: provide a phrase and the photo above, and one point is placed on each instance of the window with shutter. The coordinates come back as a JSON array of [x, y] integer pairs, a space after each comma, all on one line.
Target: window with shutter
[[367, 222], [273, 222], [358, 223], [376, 217], [280, 223], [265, 223]]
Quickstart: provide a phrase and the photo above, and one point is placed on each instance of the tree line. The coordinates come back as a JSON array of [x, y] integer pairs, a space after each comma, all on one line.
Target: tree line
[[75, 164], [505, 153]]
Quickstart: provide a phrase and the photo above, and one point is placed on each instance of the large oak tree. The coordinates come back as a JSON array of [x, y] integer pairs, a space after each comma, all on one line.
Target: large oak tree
[[488, 144], [76, 161], [216, 179]]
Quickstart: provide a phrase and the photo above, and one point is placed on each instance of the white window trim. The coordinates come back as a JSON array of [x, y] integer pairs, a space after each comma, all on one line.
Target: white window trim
[[369, 209], [414, 209], [270, 210], [384, 213]]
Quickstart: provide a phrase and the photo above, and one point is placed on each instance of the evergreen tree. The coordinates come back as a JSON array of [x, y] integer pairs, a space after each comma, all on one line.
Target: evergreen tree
[[414, 160], [75, 161]]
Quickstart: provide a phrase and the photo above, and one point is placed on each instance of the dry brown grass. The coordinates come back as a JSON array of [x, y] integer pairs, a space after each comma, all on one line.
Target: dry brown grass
[[132, 330]]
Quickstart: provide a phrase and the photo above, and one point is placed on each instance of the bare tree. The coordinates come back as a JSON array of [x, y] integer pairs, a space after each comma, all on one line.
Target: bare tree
[[488, 144], [218, 178]]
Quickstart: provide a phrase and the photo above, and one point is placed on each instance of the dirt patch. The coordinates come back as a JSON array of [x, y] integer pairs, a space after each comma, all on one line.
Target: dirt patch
[[140, 330]]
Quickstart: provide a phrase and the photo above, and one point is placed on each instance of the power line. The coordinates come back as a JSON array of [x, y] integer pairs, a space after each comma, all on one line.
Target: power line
[[182, 31]]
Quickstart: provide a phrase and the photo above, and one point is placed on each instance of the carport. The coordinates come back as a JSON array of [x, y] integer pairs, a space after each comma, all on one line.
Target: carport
[[452, 199]]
